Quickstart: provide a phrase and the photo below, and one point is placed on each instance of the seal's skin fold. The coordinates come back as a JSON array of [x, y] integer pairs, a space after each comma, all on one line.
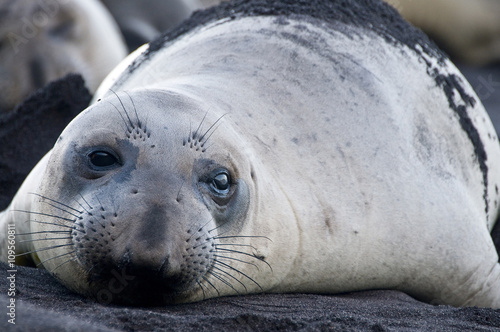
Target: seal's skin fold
[[274, 148]]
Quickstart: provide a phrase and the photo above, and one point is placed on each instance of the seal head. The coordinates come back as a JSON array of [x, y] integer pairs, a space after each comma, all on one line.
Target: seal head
[[151, 198]]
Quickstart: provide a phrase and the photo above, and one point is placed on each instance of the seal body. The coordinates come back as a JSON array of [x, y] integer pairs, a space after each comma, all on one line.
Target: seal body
[[298, 154], [45, 40]]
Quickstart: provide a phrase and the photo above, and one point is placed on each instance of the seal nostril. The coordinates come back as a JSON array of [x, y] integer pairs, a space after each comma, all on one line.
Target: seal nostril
[[135, 191]]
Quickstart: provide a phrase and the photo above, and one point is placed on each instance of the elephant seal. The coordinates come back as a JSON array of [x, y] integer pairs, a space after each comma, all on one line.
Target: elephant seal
[[43, 40], [272, 146]]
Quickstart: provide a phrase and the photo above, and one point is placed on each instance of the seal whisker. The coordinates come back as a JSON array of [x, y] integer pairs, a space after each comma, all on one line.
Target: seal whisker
[[42, 232], [63, 210], [46, 239], [206, 148], [135, 110], [210, 128], [124, 109], [90, 206], [246, 254], [195, 134], [52, 223], [217, 227], [224, 281], [100, 203], [203, 243], [58, 266], [57, 202], [236, 245], [236, 270], [199, 229], [208, 137], [238, 260], [83, 207], [45, 215], [242, 236], [127, 128], [208, 282], [202, 289], [224, 244], [51, 258], [44, 249], [231, 276], [79, 224], [88, 270]]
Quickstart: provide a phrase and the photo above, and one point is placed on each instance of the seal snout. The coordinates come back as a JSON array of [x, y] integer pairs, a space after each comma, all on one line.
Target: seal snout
[[149, 242]]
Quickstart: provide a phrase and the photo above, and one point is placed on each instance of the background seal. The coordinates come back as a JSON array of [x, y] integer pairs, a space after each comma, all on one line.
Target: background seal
[[44, 40]]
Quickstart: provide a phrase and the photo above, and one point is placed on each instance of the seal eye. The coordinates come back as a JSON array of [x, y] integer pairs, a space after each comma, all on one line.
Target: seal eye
[[221, 183], [102, 160]]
